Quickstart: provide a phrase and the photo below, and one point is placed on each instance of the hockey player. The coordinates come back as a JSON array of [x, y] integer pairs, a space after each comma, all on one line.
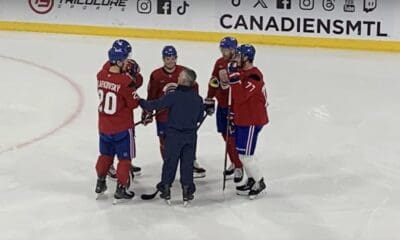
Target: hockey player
[[185, 112], [162, 81], [218, 88], [133, 69], [117, 94], [249, 115]]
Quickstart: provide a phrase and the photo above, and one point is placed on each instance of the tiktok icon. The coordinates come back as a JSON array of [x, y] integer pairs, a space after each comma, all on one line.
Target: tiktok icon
[[182, 9]]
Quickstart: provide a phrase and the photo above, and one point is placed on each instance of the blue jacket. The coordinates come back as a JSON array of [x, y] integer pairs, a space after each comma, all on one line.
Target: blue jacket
[[185, 108]]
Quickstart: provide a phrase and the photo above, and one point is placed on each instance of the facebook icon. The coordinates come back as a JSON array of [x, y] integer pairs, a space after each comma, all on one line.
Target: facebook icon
[[164, 7], [284, 4]]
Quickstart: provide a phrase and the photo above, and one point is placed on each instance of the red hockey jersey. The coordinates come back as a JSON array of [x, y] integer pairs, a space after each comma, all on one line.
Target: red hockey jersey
[[161, 82], [250, 99], [220, 93], [117, 101]]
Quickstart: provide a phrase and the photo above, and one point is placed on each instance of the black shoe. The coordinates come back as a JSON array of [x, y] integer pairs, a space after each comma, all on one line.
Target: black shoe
[[112, 173], [257, 189], [229, 172], [101, 186], [238, 175], [187, 194], [136, 171], [245, 189], [198, 172], [121, 193], [165, 192]]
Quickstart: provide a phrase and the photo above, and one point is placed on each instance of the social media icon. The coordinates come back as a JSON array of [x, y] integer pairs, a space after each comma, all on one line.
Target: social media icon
[[369, 5], [307, 4], [164, 7], [349, 6], [236, 3], [144, 6], [328, 5], [260, 3], [182, 9], [284, 4]]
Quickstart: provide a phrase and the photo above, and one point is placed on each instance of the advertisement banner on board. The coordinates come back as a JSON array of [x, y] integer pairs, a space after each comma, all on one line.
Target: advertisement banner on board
[[348, 19]]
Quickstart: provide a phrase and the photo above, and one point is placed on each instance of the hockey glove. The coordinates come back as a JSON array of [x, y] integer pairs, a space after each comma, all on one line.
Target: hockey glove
[[233, 73], [209, 104], [147, 118], [132, 68]]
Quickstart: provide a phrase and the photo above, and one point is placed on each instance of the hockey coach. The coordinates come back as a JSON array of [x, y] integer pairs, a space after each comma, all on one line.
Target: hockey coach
[[185, 113]]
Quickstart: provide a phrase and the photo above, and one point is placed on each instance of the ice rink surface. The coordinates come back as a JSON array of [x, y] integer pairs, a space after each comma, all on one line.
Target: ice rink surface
[[330, 157]]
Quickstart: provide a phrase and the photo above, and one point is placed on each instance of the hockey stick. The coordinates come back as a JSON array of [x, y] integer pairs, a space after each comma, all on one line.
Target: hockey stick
[[149, 196], [153, 195], [151, 116], [198, 126], [201, 122], [227, 137]]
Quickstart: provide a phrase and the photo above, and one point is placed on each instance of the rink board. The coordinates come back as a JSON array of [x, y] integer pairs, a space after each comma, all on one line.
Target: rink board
[[372, 45], [361, 25]]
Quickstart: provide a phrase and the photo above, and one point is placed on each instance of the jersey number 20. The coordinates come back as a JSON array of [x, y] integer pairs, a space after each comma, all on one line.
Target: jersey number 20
[[108, 102]]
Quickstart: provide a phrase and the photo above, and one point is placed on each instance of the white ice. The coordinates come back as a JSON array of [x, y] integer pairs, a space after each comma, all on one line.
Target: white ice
[[330, 157]]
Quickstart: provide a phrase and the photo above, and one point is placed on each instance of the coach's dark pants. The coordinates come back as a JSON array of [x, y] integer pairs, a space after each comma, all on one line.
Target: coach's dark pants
[[179, 146]]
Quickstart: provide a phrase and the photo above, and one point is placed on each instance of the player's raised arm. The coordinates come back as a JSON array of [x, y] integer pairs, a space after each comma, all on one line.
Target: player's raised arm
[[129, 93], [215, 81], [133, 69]]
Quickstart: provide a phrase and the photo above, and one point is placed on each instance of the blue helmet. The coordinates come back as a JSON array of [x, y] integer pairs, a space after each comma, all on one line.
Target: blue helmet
[[247, 50], [122, 44], [117, 54], [228, 42], [169, 51]]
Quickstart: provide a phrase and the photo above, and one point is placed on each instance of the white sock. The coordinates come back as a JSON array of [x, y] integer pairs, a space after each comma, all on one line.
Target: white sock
[[196, 164], [250, 166]]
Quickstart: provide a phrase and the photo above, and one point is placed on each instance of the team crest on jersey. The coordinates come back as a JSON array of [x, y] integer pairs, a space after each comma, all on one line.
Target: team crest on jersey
[[170, 88]]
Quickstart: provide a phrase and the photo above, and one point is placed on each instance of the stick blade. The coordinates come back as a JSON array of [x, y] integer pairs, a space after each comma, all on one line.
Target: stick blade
[[148, 196]]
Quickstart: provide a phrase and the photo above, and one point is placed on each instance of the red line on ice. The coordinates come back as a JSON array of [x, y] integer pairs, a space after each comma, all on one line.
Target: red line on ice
[[66, 121]]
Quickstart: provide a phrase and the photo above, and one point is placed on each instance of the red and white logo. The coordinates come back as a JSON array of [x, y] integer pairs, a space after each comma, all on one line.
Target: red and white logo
[[41, 6]]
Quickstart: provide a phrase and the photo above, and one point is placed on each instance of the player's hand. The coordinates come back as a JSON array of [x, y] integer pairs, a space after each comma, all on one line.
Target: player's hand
[[231, 124], [233, 72], [147, 118], [214, 82], [132, 68], [209, 104]]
